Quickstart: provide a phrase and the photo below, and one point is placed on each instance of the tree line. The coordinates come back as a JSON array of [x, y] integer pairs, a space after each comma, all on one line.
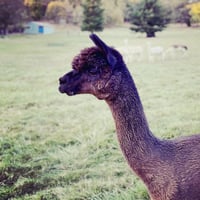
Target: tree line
[[147, 16]]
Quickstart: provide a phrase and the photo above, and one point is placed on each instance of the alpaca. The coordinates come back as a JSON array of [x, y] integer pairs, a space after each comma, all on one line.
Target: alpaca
[[176, 50], [131, 54], [155, 52], [169, 168], [181, 49]]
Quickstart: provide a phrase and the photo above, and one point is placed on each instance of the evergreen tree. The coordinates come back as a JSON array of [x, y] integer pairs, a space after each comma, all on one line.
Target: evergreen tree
[[92, 16], [148, 16]]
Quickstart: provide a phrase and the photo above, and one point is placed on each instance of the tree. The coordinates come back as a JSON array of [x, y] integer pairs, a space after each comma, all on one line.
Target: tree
[[195, 11], [113, 12], [148, 16], [188, 13], [73, 11], [92, 16], [36, 8], [183, 14], [56, 11], [12, 12]]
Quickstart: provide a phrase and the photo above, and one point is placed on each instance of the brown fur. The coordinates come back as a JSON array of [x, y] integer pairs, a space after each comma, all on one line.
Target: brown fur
[[169, 168]]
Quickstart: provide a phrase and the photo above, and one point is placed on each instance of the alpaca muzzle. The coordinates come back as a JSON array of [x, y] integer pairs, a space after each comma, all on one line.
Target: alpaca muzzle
[[69, 83]]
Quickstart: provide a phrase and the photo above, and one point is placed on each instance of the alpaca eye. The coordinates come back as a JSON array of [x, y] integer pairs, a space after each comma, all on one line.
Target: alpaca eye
[[93, 70]]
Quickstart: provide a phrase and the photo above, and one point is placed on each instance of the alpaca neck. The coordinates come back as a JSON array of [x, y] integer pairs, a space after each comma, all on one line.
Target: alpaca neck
[[135, 138]]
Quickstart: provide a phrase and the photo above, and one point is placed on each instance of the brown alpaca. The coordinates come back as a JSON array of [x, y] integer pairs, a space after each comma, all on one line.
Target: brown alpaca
[[169, 168]]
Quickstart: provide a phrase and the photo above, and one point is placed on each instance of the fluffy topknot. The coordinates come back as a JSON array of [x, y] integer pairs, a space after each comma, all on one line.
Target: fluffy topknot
[[88, 57]]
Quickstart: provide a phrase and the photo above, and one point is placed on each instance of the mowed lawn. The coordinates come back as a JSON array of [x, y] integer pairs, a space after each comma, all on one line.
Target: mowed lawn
[[55, 147]]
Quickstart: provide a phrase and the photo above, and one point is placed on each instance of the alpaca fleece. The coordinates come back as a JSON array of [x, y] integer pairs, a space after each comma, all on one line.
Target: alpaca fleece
[[169, 168]]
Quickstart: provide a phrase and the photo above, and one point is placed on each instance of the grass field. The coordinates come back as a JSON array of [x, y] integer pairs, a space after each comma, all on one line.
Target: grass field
[[55, 147]]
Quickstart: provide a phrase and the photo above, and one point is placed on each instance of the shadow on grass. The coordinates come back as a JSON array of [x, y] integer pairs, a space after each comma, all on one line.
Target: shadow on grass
[[23, 171]]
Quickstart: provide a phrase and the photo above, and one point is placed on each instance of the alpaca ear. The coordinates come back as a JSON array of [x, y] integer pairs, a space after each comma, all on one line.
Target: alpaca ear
[[112, 60]]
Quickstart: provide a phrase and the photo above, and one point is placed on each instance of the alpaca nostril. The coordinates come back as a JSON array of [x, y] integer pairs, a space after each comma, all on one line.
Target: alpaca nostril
[[62, 80]]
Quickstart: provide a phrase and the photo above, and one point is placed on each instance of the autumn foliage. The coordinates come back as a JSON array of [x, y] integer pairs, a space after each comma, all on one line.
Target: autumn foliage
[[195, 11]]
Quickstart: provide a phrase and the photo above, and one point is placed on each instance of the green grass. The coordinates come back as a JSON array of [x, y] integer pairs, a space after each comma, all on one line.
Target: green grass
[[54, 147]]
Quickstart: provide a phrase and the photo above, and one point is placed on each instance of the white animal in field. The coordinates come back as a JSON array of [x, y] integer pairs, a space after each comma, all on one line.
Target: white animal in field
[[130, 52], [136, 52], [155, 52], [176, 50]]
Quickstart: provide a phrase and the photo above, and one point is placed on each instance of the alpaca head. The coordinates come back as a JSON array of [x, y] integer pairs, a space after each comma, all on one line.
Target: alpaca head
[[96, 70]]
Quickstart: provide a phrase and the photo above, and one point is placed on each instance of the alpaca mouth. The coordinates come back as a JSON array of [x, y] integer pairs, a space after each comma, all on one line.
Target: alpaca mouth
[[66, 88], [70, 93], [63, 89]]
